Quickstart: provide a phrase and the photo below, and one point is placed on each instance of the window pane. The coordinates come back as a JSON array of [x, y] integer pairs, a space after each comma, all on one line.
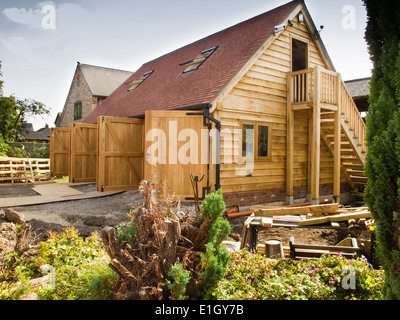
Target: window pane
[[77, 110], [263, 147], [248, 140]]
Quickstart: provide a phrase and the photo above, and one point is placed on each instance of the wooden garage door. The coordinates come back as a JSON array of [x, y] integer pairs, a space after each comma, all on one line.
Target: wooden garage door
[[59, 152], [175, 150], [83, 160], [120, 153]]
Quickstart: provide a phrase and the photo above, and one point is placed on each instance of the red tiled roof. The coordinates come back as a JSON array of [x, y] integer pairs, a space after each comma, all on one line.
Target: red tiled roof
[[167, 88]]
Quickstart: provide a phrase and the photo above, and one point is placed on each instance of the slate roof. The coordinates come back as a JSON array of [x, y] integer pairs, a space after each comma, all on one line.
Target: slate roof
[[103, 81], [29, 134], [358, 87], [167, 88]]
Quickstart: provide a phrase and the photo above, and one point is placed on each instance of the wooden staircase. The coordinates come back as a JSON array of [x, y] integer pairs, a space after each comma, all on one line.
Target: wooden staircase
[[334, 117], [351, 153]]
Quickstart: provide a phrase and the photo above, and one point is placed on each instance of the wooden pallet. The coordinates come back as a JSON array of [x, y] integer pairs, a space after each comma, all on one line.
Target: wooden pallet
[[24, 170]]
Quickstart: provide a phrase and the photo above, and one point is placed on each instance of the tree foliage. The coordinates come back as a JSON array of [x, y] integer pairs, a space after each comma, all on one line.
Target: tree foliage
[[382, 193], [14, 111]]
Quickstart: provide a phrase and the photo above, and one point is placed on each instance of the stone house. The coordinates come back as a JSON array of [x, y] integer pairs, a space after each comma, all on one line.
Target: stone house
[[89, 87]]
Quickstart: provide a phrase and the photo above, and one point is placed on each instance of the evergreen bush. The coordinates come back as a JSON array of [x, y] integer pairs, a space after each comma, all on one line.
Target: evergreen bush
[[216, 258], [382, 192]]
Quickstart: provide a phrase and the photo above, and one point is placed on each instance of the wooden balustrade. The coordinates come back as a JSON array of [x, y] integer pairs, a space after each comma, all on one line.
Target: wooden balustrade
[[352, 117], [302, 86], [332, 92]]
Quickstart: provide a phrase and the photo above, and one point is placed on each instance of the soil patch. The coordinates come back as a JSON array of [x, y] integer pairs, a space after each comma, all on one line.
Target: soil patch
[[21, 190], [301, 235], [88, 215]]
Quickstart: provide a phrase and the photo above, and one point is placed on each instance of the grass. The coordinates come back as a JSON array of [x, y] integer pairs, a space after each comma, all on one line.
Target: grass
[[60, 180]]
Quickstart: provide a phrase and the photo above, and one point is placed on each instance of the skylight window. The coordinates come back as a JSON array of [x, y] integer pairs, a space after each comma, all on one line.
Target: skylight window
[[194, 64], [136, 83]]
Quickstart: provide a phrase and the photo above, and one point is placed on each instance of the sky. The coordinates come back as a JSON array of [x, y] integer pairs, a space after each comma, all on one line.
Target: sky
[[41, 41]]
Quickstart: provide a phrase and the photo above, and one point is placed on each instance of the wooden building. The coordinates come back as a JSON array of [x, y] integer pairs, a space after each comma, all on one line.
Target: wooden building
[[256, 109]]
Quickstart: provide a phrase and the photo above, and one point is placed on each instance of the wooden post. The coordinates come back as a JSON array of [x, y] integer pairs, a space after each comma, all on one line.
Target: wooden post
[[273, 249], [337, 145], [309, 154], [316, 138], [289, 142]]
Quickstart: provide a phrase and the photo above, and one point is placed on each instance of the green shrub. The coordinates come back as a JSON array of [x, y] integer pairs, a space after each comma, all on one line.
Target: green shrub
[[216, 258], [254, 277], [180, 279]]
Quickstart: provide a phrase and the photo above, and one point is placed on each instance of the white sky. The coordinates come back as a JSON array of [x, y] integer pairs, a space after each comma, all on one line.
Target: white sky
[[38, 61]]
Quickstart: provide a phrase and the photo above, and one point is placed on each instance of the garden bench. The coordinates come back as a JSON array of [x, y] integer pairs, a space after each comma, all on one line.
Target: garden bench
[[312, 251]]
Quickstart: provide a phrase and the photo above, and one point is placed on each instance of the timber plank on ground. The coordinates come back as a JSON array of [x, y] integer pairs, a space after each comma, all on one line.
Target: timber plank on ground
[[316, 210]]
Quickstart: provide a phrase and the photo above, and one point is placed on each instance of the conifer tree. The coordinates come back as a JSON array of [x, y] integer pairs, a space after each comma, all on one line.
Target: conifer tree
[[382, 192]]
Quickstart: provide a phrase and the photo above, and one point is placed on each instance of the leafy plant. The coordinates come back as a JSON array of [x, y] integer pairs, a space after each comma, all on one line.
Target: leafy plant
[[80, 266], [253, 277], [180, 279], [216, 258], [126, 235]]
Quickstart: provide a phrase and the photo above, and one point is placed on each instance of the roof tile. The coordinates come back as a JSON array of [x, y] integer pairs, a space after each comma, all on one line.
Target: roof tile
[[167, 88]]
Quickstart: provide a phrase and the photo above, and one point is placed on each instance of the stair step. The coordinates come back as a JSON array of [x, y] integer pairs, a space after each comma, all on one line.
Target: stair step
[[347, 151], [359, 179], [342, 143], [362, 183], [353, 166], [351, 159], [358, 173]]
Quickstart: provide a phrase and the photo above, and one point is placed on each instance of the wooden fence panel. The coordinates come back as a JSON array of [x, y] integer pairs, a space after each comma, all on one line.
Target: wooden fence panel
[[120, 153], [184, 151], [59, 152], [83, 156]]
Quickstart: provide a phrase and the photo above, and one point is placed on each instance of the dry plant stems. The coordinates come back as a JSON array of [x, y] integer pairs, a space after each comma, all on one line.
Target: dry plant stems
[[165, 236]]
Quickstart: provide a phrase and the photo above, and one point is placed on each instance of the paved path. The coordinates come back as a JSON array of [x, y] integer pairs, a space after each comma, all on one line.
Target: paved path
[[52, 192]]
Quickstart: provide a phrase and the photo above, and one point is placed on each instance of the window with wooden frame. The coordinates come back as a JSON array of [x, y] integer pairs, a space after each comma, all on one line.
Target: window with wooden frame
[[78, 110], [136, 83], [194, 64], [256, 141]]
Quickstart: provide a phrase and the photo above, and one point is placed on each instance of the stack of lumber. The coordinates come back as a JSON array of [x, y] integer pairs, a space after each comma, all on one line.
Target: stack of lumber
[[234, 211], [316, 214], [13, 170]]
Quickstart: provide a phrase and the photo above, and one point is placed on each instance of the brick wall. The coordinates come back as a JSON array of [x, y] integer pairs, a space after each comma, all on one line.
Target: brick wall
[[79, 91], [249, 198]]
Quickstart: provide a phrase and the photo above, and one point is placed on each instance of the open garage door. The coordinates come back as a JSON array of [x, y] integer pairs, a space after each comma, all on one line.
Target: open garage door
[[59, 152], [83, 159], [176, 148], [120, 153]]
